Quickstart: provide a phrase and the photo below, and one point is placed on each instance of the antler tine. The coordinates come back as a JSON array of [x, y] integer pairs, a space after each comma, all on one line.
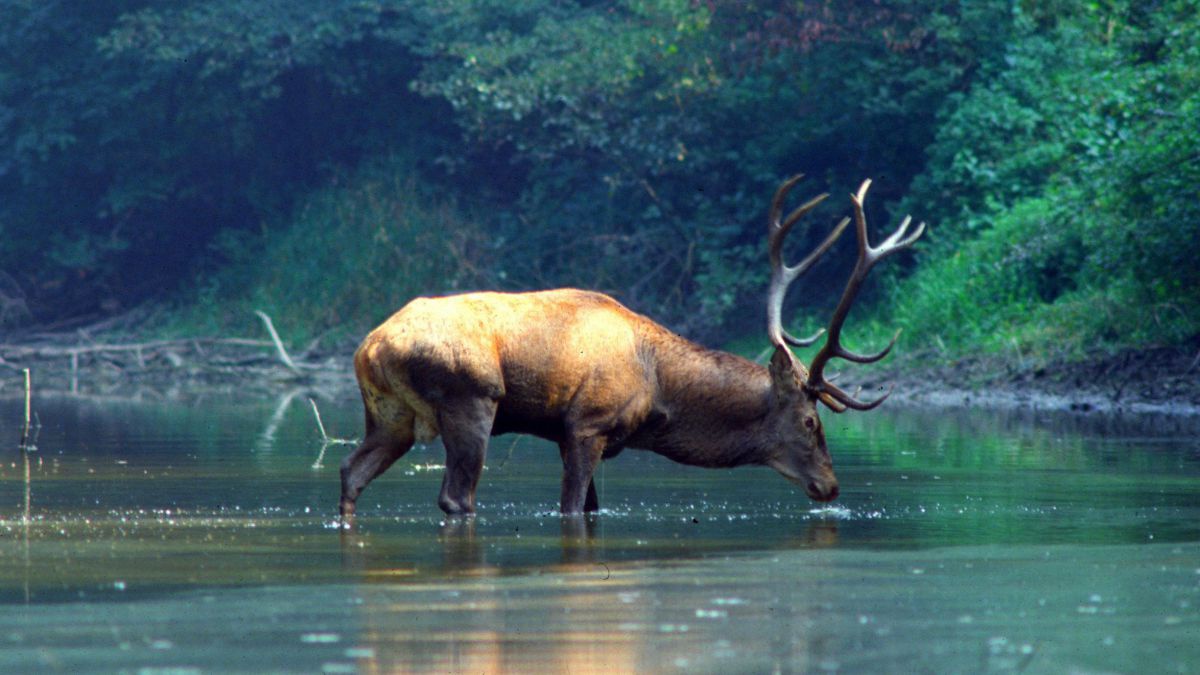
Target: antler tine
[[779, 230], [890, 245], [838, 394], [802, 342], [782, 274], [844, 353], [781, 194], [867, 257]]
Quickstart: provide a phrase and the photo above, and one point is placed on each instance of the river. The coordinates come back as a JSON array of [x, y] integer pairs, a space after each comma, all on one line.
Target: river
[[199, 535]]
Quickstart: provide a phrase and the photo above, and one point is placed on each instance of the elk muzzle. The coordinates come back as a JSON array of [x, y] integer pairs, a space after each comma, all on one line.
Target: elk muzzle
[[818, 479], [823, 489]]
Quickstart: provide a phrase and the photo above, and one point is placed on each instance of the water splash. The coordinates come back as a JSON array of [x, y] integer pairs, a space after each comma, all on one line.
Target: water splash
[[834, 511]]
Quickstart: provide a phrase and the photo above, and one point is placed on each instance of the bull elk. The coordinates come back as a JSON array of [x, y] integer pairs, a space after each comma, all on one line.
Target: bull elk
[[581, 370]]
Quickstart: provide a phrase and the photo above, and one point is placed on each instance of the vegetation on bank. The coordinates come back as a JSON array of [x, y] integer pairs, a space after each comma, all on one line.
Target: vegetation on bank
[[348, 256], [326, 161]]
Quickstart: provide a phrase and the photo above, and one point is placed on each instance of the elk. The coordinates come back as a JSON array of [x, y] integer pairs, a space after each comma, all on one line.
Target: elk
[[579, 369]]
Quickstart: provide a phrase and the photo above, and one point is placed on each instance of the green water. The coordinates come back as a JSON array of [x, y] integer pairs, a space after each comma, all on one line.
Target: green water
[[197, 536]]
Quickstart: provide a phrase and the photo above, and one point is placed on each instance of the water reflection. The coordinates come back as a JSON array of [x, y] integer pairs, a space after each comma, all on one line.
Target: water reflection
[[732, 613], [497, 632], [963, 541]]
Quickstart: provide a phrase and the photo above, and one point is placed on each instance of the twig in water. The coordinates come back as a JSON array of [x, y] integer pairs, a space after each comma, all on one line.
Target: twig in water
[[283, 355], [326, 441], [25, 427], [25, 451], [320, 425]]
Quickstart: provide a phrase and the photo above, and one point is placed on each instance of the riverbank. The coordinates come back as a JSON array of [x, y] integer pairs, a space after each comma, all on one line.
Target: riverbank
[[1161, 380]]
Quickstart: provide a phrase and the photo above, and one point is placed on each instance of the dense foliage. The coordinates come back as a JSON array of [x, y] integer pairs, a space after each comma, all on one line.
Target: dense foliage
[[1065, 187], [327, 160]]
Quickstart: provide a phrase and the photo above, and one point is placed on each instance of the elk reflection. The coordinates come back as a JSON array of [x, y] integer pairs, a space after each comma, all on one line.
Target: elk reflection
[[579, 539], [463, 546], [817, 534], [572, 603], [462, 550]]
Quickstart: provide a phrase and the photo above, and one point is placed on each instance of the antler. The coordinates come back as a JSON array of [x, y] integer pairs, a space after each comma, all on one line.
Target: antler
[[867, 257], [782, 275]]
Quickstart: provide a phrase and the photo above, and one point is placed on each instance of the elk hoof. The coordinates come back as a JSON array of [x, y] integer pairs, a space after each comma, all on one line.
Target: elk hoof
[[454, 507]]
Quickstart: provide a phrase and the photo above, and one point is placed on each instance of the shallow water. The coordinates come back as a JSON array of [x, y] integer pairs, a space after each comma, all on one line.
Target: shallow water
[[198, 536]]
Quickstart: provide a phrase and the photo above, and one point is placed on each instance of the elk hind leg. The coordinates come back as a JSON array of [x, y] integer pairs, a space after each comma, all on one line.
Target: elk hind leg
[[377, 452], [580, 456], [591, 502], [466, 425]]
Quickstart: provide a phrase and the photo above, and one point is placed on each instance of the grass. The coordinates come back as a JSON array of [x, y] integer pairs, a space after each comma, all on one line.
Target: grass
[[347, 257]]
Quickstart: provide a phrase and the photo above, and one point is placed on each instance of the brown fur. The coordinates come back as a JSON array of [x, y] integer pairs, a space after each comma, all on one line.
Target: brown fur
[[579, 369]]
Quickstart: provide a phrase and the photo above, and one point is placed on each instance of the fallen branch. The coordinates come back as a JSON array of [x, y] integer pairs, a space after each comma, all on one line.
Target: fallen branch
[[283, 355], [52, 351]]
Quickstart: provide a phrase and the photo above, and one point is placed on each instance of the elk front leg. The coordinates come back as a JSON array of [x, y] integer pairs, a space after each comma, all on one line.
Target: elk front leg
[[580, 457], [465, 425]]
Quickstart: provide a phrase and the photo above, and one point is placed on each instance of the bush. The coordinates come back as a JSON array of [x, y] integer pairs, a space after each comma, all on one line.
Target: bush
[[349, 256], [1065, 188]]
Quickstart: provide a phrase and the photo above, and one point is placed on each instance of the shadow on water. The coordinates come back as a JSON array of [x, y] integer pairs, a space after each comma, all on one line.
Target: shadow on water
[[201, 535]]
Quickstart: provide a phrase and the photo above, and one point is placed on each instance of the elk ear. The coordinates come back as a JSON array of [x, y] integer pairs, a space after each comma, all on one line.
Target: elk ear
[[785, 376]]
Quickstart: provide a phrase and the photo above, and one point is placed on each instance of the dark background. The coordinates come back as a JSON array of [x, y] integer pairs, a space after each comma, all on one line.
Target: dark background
[[181, 163]]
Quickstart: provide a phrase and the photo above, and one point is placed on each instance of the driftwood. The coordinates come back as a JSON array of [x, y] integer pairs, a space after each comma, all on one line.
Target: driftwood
[[153, 346], [67, 354], [279, 349], [66, 359]]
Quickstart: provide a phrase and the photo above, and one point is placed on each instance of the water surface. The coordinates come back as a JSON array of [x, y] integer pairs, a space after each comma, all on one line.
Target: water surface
[[197, 535]]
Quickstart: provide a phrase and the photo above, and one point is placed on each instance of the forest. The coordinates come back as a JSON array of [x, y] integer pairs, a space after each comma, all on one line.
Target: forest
[[186, 163]]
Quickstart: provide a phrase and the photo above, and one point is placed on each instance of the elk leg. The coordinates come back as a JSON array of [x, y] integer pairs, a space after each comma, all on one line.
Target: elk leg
[[466, 425], [581, 456], [591, 503], [378, 451]]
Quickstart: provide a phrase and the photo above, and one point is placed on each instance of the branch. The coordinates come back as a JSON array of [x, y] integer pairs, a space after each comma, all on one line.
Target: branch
[[283, 355], [25, 427], [326, 441], [47, 351]]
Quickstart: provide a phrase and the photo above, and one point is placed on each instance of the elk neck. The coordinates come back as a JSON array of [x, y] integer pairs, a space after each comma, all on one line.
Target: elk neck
[[713, 406]]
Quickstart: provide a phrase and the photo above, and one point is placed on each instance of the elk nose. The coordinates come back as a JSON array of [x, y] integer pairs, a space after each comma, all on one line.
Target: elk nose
[[820, 493]]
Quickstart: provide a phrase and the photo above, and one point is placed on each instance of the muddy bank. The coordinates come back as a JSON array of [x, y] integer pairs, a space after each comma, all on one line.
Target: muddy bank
[[1162, 380]]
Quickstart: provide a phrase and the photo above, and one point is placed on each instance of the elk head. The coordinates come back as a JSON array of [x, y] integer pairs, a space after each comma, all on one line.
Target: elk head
[[801, 454]]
